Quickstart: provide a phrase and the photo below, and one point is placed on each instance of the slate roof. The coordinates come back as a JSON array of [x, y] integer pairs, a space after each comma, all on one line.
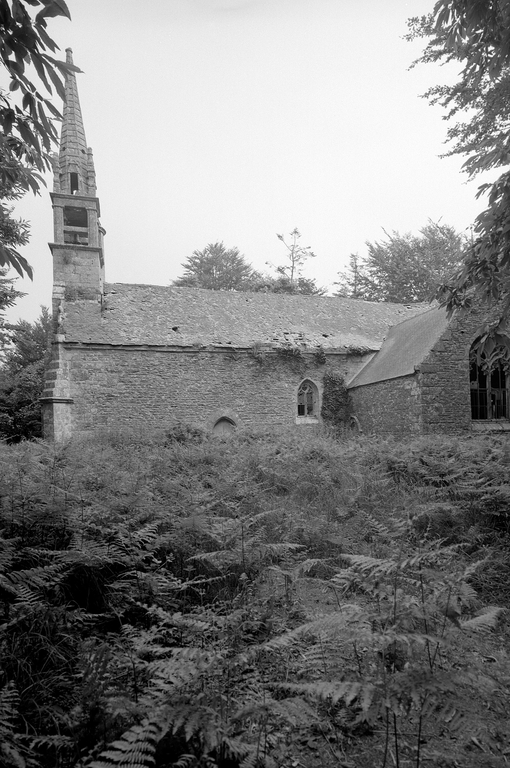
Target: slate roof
[[406, 346], [184, 317]]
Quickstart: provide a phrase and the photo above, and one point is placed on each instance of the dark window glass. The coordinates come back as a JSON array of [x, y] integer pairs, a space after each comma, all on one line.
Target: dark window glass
[[75, 217], [489, 398]]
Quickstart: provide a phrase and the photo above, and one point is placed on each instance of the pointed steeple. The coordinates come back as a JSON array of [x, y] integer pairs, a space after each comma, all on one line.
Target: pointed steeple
[[74, 172], [78, 257], [78, 260]]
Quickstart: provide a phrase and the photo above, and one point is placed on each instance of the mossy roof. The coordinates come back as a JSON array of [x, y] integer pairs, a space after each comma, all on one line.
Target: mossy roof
[[183, 317]]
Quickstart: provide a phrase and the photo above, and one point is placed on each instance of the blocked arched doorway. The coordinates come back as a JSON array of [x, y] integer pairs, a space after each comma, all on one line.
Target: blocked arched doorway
[[224, 427]]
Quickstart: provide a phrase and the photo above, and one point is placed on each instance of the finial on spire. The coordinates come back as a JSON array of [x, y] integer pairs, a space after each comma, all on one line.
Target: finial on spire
[[69, 55]]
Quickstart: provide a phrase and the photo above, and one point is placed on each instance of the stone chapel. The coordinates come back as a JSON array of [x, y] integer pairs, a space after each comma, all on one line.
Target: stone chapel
[[148, 356]]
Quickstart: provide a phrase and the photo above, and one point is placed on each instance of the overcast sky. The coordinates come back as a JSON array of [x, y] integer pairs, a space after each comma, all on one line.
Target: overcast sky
[[234, 120]]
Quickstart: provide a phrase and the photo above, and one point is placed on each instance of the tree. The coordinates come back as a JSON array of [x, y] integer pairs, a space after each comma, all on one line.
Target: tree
[[406, 268], [288, 277], [353, 284], [297, 254], [219, 269], [478, 104], [22, 379], [282, 284], [477, 34], [27, 130], [8, 296], [13, 234]]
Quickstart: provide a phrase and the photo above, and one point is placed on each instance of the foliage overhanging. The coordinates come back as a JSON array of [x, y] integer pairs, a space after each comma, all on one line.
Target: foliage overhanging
[[477, 34]]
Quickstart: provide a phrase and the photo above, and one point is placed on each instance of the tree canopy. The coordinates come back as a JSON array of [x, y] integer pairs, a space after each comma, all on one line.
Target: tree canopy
[[27, 131], [22, 377], [283, 284], [477, 105], [218, 268], [8, 296], [14, 233], [477, 35], [404, 268]]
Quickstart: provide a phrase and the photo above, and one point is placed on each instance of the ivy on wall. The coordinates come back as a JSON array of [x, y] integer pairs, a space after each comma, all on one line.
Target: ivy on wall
[[297, 357], [336, 407]]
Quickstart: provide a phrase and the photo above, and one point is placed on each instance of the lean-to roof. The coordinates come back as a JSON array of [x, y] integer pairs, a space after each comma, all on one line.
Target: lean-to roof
[[186, 317], [406, 346]]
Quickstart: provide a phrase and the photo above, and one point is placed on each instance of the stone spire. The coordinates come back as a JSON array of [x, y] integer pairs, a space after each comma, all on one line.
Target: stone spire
[[74, 171], [78, 259]]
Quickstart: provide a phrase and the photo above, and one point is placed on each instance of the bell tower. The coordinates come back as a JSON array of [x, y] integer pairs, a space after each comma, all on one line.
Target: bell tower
[[77, 250], [78, 261]]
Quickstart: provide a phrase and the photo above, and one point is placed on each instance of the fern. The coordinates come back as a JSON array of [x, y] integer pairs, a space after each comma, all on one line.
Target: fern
[[35, 578], [347, 691], [136, 748], [485, 621], [16, 750], [185, 761], [140, 634], [26, 597], [95, 672], [394, 529], [349, 622], [147, 536], [293, 711], [9, 703]]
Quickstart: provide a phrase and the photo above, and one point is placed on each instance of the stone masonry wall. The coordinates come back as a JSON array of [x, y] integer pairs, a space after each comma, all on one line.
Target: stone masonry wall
[[79, 270], [444, 375], [134, 387], [436, 399], [389, 407], [55, 401]]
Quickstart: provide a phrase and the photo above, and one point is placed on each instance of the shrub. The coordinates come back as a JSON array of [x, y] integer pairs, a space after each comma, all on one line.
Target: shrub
[[184, 433], [336, 408]]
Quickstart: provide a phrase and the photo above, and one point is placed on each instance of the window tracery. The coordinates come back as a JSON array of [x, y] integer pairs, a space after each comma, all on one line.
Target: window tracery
[[489, 379], [307, 400]]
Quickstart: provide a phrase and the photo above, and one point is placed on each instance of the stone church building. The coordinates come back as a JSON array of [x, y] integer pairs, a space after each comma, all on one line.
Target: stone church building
[[147, 356]]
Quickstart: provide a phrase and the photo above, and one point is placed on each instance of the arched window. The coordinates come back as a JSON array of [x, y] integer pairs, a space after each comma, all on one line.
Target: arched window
[[224, 427], [307, 400], [489, 380]]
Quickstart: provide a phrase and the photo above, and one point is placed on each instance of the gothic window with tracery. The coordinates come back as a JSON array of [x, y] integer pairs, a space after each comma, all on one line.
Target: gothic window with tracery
[[307, 399], [489, 378]]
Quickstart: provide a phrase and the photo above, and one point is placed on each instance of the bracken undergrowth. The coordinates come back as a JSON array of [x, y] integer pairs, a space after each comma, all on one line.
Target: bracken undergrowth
[[156, 596]]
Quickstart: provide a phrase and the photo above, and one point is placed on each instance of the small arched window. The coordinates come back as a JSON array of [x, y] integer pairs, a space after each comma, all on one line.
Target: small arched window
[[307, 400], [489, 380], [224, 427]]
